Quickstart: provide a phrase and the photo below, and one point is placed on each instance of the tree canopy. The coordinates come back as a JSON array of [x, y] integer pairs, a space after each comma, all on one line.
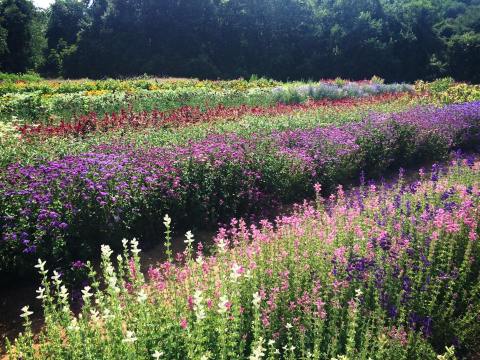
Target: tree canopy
[[400, 40]]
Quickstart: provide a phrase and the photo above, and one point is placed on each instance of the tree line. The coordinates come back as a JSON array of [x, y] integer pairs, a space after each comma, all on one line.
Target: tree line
[[399, 40]]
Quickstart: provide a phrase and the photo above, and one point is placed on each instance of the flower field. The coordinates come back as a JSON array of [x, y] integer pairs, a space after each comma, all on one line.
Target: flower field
[[386, 272], [378, 271]]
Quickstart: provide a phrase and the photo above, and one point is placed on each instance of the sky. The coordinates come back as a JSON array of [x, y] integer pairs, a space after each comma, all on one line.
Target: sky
[[42, 3]]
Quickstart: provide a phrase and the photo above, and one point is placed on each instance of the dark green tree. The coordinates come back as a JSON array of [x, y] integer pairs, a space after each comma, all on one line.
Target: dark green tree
[[16, 17], [64, 23]]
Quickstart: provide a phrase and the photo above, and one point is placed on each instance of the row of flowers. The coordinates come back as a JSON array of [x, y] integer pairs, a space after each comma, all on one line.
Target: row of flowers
[[187, 115], [62, 209], [36, 148], [385, 272], [36, 107], [78, 86]]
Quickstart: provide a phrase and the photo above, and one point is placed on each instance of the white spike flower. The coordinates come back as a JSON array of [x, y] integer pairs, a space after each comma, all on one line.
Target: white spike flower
[[56, 277], [63, 294], [236, 272], [222, 245], [189, 238], [259, 351], [95, 315], [167, 220], [106, 251], [26, 312], [86, 294], [73, 325], [142, 296], [157, 354], [256, 300], [130, 338], [198, 306], [41, 266], [223, 305], [135, 250], [358, 293], [41, 293]]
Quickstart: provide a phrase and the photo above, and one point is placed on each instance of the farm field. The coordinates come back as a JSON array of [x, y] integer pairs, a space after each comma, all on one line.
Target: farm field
[[362, 269]]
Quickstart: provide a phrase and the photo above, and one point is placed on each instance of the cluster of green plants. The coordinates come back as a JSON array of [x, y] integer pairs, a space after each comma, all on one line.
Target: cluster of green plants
[[24, 83], [8, 78], [447, 91]]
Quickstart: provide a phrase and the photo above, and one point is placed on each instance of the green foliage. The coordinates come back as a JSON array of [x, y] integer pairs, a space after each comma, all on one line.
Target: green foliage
[[290, 39], [16, 17]]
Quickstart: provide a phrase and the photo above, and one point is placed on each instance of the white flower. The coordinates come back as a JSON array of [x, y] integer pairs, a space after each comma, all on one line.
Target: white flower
[[130, 338], [358, 293], [95, 315], [63, 293], [289, 326], [223, 305], [106, 251], [41, 266], [135, 250], [236, 272], [256, 300], [41, 293], [56, 277], [222, 245], [107, 314], [124, 243], [26, 312], [199, 260], [86, 293], [73, 325], [166, 220], [198, 306], [142, 296], [271, 342], [157, 354], [189, 237], [258, 351]]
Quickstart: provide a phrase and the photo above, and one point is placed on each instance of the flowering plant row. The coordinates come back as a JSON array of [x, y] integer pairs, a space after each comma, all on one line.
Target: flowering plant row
[[187, 115], [62, 209], [36, 148], [389, 272], [15, 85], [37, 106]]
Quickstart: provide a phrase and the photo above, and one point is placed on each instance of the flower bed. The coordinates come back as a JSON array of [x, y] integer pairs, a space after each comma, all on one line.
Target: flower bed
[[62, 209], [387, 272]]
